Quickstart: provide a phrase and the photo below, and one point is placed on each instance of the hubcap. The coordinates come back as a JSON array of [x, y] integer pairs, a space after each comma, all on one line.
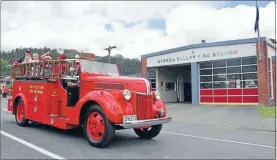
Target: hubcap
[[95, 126], [20, 112]]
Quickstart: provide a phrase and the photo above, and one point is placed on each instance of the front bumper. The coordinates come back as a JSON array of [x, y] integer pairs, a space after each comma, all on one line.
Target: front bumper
[[148, 122]]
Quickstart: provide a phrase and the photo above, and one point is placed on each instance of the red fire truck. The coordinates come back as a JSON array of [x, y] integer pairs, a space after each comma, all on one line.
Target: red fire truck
[[82, 92]]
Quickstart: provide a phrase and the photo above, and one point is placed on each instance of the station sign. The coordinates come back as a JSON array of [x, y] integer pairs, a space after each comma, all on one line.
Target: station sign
[[203, 54]]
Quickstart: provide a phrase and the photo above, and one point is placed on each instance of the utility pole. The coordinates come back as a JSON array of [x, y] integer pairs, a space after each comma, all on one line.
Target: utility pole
[[109, 50]]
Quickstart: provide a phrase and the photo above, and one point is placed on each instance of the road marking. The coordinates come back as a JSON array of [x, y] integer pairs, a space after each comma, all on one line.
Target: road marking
[[222, 140], [41, 150]]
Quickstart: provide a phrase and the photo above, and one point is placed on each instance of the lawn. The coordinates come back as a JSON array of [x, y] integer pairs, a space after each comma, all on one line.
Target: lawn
[[267, 112]]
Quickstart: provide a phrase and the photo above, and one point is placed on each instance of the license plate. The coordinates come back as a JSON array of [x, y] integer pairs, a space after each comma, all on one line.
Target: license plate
[[131, 118]]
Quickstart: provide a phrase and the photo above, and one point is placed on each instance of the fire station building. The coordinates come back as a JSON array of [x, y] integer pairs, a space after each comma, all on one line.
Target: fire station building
[[226, 72]]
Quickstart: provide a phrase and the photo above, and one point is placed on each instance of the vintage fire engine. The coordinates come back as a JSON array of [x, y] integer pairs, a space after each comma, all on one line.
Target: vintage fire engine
[[85, 93]]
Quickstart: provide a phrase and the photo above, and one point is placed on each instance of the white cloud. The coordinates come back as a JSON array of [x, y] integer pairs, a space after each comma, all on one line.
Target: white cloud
[[80, 25], [203, 22]]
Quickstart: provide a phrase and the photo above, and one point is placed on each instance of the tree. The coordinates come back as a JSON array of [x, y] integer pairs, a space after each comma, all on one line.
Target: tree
[[126, 65], [4, 67]]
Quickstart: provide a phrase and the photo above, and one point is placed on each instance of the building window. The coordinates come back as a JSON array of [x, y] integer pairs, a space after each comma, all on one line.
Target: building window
[[169, 86], [234, 84], [205, 85], [250, 84], [249, 68], [249, 76], [153, 83], [219, 71], [219, 64], [233, 70], [152, 72], [206, 65], [220, 77], [206, 78], [219, 85], [152, 77], [249, 60], [206, 72], [234, 62], [233, 77]]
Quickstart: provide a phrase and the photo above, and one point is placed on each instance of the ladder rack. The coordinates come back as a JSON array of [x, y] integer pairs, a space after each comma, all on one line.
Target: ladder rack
[[47, 69]]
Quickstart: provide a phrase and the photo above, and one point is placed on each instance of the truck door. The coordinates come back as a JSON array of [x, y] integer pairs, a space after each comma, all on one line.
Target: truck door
[[37, 101]]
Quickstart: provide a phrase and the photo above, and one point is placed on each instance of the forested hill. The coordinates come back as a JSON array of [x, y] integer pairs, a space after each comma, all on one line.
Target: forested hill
[[126, 65]]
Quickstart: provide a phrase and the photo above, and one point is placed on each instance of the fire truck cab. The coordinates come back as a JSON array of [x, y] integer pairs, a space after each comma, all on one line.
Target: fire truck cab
[[85, 93]]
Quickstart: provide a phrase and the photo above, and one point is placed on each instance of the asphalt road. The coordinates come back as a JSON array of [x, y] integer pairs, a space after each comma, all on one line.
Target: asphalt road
[[177, 140]]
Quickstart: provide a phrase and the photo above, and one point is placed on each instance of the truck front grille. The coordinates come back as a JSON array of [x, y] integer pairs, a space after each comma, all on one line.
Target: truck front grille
[[143, 106]]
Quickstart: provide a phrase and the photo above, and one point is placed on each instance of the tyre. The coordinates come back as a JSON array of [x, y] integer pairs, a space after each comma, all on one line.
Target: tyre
[[148, 133], [98, 130], [20, 114]]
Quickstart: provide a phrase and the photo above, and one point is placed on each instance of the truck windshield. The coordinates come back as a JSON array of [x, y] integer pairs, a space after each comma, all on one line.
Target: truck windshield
[[99, 67]]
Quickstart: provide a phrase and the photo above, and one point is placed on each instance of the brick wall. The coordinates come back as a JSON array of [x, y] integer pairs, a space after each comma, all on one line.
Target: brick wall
[[263, 77], [143, 67], [274, 77]]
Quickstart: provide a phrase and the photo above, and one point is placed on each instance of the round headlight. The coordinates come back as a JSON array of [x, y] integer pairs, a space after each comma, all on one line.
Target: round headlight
[[157, 95], [127, 94]]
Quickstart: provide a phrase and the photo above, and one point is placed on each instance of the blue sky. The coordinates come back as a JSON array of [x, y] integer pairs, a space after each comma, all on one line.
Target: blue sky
[[249, 3], [160, 23]]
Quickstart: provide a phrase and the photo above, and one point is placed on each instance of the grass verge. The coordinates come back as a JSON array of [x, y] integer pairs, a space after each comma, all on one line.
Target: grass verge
[[267, 112]]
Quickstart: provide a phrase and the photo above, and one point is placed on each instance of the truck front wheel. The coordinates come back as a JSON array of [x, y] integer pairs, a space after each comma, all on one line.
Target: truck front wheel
[[148, 133], [98, 130]]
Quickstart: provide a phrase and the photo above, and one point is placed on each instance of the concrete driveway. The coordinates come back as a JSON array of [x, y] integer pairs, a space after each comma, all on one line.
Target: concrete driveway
[[244, 117]]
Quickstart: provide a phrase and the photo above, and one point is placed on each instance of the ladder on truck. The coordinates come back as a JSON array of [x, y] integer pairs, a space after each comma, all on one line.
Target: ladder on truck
[[47, 70]]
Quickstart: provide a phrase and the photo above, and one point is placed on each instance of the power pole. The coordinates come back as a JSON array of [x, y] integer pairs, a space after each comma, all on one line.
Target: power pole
[[109, 51]]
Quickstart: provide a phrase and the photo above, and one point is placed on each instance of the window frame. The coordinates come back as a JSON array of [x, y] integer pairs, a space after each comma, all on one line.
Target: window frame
[[174, 84], [153, 82], [152, 78]]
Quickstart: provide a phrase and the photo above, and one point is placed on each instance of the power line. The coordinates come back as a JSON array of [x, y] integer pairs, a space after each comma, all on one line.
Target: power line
[[109, 51]]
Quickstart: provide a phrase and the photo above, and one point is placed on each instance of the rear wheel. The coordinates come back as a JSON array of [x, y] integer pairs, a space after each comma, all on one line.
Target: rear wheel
[[20, 114], [148, 133], [98, 130]]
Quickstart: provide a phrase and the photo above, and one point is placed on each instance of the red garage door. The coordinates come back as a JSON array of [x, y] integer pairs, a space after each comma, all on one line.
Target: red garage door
[[229, 81]]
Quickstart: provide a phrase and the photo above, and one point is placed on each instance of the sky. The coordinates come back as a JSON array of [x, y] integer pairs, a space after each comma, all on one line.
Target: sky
[[135, 27]]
